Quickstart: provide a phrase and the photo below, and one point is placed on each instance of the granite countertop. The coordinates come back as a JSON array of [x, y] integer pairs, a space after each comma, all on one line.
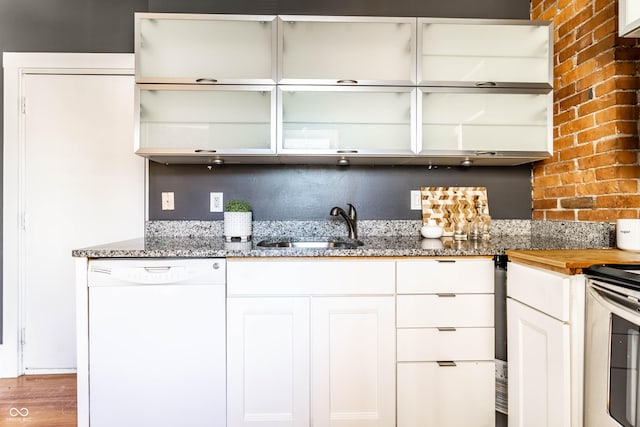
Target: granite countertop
[[380, 238]]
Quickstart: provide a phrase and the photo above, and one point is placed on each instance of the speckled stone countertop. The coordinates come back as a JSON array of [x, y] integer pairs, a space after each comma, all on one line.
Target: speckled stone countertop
[[198, 239]]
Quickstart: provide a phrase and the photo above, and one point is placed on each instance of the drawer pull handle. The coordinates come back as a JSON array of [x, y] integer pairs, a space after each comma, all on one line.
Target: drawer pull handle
[[347, 81], [446, 363], [446, 295], [486, 84], [206, 80], [447, 329], [446, 260]]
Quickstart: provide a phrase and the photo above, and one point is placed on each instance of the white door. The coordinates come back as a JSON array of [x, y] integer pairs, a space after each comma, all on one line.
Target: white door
[[82, 186], [268, 362], [353, 362], [539, 373]]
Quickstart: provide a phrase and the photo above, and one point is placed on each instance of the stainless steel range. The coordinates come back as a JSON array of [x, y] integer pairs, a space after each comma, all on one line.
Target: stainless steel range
[[612, 346]]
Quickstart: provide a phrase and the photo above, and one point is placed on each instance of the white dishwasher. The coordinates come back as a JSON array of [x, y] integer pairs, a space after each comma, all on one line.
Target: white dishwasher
[[157, 342]]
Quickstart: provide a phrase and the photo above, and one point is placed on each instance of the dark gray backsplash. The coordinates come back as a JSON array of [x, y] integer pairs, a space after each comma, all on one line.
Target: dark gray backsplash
[[297, 192]]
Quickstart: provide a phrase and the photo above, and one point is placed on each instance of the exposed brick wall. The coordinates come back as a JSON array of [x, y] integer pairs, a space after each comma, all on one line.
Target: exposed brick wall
[[594, 172]]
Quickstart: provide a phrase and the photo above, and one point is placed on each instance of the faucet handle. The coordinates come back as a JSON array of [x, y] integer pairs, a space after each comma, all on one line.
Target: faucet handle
[[353, 214]]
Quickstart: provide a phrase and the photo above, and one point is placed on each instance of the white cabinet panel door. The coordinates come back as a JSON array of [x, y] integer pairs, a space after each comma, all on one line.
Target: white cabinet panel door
[[268, 362], [83, 186], [353, 359], [539, 357]]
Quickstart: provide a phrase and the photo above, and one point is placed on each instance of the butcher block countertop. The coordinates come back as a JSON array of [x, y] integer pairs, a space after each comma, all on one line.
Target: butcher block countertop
[[574, 260]]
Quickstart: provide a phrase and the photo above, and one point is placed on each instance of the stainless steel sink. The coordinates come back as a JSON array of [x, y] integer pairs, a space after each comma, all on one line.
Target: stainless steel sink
[[311, 244]]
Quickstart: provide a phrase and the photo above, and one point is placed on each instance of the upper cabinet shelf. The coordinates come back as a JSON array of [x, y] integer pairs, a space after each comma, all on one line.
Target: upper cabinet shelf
[[477, 53], [206, 49], [347, 50]]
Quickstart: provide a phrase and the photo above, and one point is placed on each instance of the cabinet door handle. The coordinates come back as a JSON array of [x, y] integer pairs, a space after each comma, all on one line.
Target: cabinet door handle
[[205, 151], [486, 84], [346, 151], [206, 80], [446, 363], [446, 329], [445, 295], [347, 81]]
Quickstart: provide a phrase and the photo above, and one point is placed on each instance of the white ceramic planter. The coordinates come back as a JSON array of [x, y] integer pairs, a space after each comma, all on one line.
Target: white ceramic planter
[[237, 225]]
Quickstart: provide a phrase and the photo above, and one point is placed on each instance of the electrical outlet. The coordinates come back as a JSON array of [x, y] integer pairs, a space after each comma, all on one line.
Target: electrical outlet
[[167, 201], [416, 200], [215, 202]]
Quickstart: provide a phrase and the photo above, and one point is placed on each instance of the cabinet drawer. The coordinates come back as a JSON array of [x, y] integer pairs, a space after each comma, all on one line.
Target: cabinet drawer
[[473, 276], [434, 344], [445, 310], [544, 290], [433, 395], [309, 277]]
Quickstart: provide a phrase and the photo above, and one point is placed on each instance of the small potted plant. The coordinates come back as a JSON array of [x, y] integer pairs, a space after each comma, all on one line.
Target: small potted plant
[[237, 221]]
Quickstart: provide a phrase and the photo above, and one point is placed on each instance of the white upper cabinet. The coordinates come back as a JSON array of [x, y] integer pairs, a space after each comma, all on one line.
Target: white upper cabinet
[[202, 123], [201, 48], [484, 53], [629, 18], [347, 50], [487, 123]]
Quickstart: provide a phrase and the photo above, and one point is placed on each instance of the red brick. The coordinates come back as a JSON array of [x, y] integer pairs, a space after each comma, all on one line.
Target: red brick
[[581, 123], [618, 201], [566, 215], [607, 129], [603, 15], [619, 143], [582, 176], [538, 215], [616, 113], [567, 24], [603, 45], [545, 204], [600, 215], [563, 142], [560, 191], [546, 181]]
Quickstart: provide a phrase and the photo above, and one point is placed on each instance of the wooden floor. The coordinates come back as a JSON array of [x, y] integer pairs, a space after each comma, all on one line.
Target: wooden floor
[[38, 401]]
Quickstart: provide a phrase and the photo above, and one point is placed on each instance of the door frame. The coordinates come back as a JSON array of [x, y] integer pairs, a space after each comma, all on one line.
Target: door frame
[[16, 66]]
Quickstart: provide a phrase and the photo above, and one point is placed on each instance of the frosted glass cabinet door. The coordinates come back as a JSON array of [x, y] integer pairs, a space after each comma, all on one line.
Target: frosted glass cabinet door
[[478, 53], [484, 121], [348, 50], [196, 120], [186, 48], [351, 120]]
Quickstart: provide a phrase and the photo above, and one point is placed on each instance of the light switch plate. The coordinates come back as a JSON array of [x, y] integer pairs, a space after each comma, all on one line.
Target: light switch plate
[[416, 200], [167, 201], [216, 202]]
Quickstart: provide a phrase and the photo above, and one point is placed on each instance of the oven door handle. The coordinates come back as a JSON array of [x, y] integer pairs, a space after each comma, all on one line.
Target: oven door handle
[[618, 302]]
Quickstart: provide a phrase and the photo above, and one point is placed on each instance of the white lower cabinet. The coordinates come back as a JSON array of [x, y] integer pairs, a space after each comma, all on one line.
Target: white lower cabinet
[[322, 356], [268, 362], [545, 347], [538, 368], [353, 361], [446, 343]]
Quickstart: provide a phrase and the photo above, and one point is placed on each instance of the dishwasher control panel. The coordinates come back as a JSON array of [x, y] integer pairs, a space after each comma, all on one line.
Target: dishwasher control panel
[[156, 271]]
